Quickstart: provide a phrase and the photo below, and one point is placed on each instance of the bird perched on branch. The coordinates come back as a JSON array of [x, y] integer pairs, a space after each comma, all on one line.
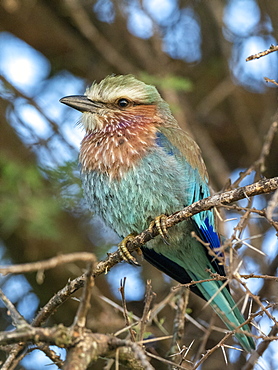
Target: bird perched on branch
[[137, 164]]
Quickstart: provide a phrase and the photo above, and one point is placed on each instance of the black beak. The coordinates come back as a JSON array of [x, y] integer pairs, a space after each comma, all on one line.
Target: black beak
[[81, 103]]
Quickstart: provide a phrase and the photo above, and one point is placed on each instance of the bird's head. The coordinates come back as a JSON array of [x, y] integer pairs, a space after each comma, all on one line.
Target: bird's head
[[121, 116], [117, 102]]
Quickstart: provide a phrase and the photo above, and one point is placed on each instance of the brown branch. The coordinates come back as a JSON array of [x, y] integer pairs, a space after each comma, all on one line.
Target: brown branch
[[59, 335], [84, 306], [222, 278], [125, 310], [146, 312], [88, 346], [47, 264], [210, 351], [87, 350], [171, 363], [270, 80], [58, 299], [260, 212], [137, 351], [56, 359], [265, 277], [216, 200], [181, 303], [261, 348], [205, 337], [261, 187], [271, 49], [18, 319], [257, 300]]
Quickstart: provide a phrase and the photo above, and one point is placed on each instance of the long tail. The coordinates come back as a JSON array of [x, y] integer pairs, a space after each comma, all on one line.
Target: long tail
[[212, 291], [226, 308]]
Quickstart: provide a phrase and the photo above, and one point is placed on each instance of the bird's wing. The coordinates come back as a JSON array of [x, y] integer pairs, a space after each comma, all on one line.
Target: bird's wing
[[187, 148], [203, 223], [179, 143]]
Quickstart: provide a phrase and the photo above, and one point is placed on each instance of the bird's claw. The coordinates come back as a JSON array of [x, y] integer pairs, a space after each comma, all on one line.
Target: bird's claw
[[160, 223], [124, 252]]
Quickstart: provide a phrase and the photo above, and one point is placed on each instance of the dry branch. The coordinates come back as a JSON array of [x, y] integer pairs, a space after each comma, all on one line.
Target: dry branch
[[216, 200], [87, 342], [271, 49], [260, 350], [48, 264]]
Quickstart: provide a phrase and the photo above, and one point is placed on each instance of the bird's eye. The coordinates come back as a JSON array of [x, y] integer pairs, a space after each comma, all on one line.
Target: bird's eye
[[123, 103]]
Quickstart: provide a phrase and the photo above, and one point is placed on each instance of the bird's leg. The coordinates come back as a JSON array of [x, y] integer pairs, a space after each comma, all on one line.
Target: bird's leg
[[160, 223], [124, 252]]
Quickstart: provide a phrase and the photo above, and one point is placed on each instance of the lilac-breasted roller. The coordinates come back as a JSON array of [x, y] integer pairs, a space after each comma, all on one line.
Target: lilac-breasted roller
[[137, 163]]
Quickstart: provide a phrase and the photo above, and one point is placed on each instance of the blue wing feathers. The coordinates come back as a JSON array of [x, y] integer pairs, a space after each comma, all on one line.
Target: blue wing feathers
[[164, 143], [197, 189]]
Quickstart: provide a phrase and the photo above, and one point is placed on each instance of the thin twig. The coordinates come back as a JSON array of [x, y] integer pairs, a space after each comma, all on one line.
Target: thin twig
[[81, 315], [18, 320], [181, 303], [256, 299], [260, 212], [271, 49], [56, 359], [117, 307], [217, 277], [270, 80], [125, 310], [212, 350], [261, 349], [146, 312], [161, 305], [47, 264], [163, 360], [206, 335]]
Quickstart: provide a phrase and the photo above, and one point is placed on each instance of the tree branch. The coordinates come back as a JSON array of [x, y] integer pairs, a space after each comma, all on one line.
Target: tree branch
[[271, 49], [47, 264], [216, 200]]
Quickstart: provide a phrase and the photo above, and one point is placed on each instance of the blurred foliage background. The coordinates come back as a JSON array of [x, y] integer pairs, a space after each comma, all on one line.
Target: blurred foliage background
[[194, 52]]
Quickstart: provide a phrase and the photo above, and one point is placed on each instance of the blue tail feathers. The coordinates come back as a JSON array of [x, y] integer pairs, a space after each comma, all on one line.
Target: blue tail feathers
[[225, 307]]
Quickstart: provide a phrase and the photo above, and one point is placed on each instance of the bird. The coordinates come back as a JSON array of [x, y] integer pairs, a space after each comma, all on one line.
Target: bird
[[138, 165]]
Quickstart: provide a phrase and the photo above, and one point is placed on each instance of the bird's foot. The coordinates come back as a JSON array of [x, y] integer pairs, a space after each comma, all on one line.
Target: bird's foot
[[160, 223], [124, 252]]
